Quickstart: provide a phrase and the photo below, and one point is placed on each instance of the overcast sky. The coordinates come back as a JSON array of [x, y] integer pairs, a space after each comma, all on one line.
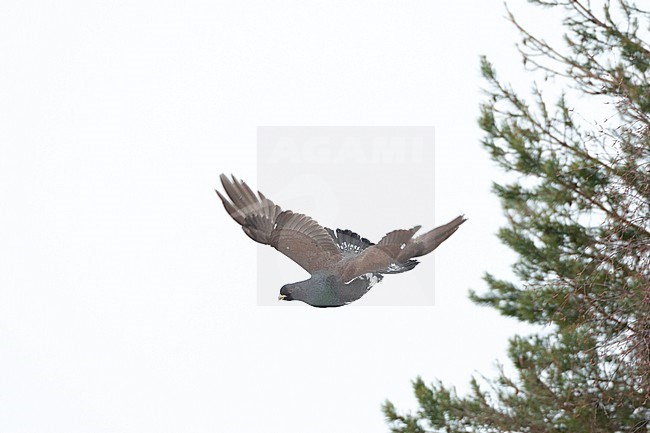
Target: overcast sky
[[128, 298]]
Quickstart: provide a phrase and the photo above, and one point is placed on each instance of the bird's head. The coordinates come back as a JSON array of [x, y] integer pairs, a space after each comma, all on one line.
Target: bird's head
[[286, 293], [318, 291], [301, 291]]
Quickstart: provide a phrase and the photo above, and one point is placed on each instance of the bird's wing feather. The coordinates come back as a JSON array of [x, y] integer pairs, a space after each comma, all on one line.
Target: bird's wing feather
[[295, 235], [349, 242], [429, 241], [397, 249], [378, 257]]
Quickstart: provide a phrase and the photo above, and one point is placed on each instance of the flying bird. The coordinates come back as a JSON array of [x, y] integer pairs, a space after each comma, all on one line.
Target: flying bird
[[342, 264]]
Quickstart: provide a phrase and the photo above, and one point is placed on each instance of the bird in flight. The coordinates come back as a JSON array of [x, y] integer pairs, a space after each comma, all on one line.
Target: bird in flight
[[342, 264]]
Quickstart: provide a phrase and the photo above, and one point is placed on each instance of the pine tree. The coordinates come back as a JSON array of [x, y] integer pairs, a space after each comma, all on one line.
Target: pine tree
[[578, 215]]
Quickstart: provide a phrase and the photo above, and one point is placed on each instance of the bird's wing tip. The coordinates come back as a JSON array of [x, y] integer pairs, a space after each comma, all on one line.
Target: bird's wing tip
[[223, 199], [224, 180]]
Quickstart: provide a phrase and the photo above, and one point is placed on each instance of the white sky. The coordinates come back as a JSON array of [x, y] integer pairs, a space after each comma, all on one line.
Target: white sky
[[128, 297]]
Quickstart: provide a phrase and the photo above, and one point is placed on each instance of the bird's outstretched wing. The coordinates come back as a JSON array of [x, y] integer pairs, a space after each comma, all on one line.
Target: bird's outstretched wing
[[351, 244], [295, 235], [396, 247], [377, 257], [429, 241]]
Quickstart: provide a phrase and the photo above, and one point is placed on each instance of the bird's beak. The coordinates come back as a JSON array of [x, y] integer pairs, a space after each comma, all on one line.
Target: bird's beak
[[281, 297]]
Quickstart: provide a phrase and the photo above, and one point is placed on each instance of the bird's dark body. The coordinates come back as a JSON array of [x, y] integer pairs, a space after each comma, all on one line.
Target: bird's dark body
[[342, 264], [326, 289]]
